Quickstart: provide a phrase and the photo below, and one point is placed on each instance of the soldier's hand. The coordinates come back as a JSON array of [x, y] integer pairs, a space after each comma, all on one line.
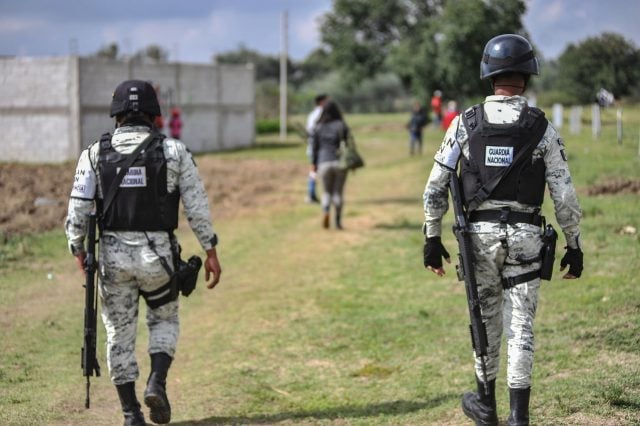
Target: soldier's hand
[[212, 267], [573, 258], [80, 257], [433, 252]]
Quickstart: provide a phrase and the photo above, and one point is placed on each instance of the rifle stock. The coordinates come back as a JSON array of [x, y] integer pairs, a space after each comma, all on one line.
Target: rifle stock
[[89, 361], [466, 273]]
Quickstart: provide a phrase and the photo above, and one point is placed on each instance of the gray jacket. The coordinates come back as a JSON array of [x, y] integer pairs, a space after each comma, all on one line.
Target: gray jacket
[[326, 141]]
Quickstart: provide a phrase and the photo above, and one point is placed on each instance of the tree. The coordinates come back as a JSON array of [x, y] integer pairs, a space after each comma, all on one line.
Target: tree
[[434, 44], [267, 67], [109, 51], [607, 60], [153, 53]]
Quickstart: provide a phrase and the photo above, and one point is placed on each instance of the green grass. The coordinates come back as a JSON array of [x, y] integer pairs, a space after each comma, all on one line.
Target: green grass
[[323, 327]]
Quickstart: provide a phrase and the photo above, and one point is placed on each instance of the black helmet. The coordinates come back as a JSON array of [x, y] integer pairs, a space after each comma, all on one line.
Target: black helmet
[[508, 53], [134, 96]]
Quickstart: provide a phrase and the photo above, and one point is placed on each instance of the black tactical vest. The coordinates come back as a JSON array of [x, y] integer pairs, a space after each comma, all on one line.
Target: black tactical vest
[[492, 149], [142, 202]]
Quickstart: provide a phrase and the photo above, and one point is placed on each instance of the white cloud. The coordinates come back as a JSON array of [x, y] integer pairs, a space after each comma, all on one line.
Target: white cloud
[[307, 28], [13, 24]]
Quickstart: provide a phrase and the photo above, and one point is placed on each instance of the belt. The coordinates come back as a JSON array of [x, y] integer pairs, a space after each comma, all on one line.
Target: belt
[[505, 215], [507, 283]]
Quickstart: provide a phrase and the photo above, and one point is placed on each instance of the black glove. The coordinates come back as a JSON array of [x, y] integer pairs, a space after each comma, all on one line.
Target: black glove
[[573, 258], [433, 252]]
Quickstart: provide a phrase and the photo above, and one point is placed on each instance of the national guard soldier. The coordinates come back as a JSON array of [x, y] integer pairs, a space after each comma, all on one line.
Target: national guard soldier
[[505, 222], [137, 213]]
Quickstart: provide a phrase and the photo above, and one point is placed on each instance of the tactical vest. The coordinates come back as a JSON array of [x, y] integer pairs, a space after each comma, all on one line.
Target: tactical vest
[[142, 202], [492, 149]]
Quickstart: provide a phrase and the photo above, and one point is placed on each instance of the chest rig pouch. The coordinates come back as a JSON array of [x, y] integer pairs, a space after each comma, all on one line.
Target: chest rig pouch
[[141, 202], [500, 164]]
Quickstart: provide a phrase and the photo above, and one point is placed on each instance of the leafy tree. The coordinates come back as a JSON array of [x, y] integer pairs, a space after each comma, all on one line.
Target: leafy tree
[[153, 53], [267, 67], [607, 60], [434, 44], [109, 51]]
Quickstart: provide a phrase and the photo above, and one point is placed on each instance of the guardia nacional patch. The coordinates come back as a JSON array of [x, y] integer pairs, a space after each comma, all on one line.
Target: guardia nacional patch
[[498, 156]]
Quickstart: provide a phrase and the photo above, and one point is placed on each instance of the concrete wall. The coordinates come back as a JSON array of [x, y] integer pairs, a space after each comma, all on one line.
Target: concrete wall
[[61, 105], [37, 109]]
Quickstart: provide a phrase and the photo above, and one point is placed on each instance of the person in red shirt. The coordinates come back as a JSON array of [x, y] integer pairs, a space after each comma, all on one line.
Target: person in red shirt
[[452, 112], [175, 123], [436, 107]]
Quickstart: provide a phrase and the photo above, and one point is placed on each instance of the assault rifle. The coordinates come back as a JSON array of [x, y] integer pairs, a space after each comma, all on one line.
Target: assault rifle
[[89, 360], [466, 273]]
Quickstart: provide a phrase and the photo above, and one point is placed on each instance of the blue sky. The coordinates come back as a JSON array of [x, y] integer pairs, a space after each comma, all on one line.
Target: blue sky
[[193, 30]]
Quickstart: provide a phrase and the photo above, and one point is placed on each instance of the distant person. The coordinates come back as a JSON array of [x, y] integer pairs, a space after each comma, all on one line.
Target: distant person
[[416, 123], [175, 123], [451, 113], [436, 107], [329, 132], [505, 225], [137, 213], [312, 121]]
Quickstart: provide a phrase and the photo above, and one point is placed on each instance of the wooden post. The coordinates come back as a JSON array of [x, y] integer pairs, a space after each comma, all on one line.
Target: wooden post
[[283, 78], [595, 121], [619, 125]]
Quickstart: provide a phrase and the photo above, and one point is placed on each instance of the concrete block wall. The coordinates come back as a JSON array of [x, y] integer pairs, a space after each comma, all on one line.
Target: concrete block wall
[[61, 105], [37, 109]]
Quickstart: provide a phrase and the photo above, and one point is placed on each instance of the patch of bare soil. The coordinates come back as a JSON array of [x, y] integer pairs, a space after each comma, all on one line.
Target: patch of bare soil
[[615, 186], [34, 197]]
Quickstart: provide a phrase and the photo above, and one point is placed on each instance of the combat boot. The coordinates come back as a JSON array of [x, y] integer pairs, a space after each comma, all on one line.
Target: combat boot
[[130, 405], [155, 395], [519, 403], [480, 407]]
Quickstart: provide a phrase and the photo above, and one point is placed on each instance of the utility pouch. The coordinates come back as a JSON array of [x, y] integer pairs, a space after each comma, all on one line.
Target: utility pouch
[[186, 275], [548, 252]]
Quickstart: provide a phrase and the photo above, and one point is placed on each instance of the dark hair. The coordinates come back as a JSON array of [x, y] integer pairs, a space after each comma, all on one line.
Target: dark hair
[[321, 97], [330, 112]]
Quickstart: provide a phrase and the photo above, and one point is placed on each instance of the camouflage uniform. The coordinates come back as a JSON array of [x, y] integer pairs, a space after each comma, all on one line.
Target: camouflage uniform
[[504, 250], [127, 262]]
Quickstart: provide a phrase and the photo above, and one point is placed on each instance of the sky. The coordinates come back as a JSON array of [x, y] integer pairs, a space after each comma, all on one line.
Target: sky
[[195, 30]]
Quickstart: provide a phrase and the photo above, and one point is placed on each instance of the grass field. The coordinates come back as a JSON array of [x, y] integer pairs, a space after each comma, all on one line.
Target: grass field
[[310, 326]]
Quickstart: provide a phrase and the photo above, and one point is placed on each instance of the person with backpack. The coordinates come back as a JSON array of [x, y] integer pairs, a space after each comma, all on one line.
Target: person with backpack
[[134, 180], [507, 152]]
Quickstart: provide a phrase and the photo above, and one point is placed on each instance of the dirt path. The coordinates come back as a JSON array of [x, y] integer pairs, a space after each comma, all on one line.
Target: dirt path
[[35, 196]]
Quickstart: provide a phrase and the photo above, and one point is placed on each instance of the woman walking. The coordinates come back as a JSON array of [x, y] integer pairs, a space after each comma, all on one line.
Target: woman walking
[[330, 130]]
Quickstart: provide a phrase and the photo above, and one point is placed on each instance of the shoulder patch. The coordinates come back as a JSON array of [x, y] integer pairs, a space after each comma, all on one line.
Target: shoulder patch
[[448, 154]]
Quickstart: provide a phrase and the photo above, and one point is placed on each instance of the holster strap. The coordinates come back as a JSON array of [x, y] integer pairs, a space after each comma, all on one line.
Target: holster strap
[[509, 282], [160, 296], [505, 216]]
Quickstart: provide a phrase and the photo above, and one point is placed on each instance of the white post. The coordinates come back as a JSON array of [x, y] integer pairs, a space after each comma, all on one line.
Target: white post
[[575, 120], [619, 125], [595, 121], [557, 116], [283, 78]]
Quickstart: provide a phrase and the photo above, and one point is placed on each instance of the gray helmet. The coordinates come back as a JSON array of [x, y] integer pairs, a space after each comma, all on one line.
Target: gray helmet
[[134, 96], [508, 53]]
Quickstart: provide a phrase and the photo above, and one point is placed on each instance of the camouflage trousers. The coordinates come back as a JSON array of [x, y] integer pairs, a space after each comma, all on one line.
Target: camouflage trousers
[[128, 265], [507, 251]]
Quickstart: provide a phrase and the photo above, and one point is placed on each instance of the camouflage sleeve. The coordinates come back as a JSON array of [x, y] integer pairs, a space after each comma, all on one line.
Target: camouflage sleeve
[[436, 195], [194, 198], [561, 188], [81, 203]]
